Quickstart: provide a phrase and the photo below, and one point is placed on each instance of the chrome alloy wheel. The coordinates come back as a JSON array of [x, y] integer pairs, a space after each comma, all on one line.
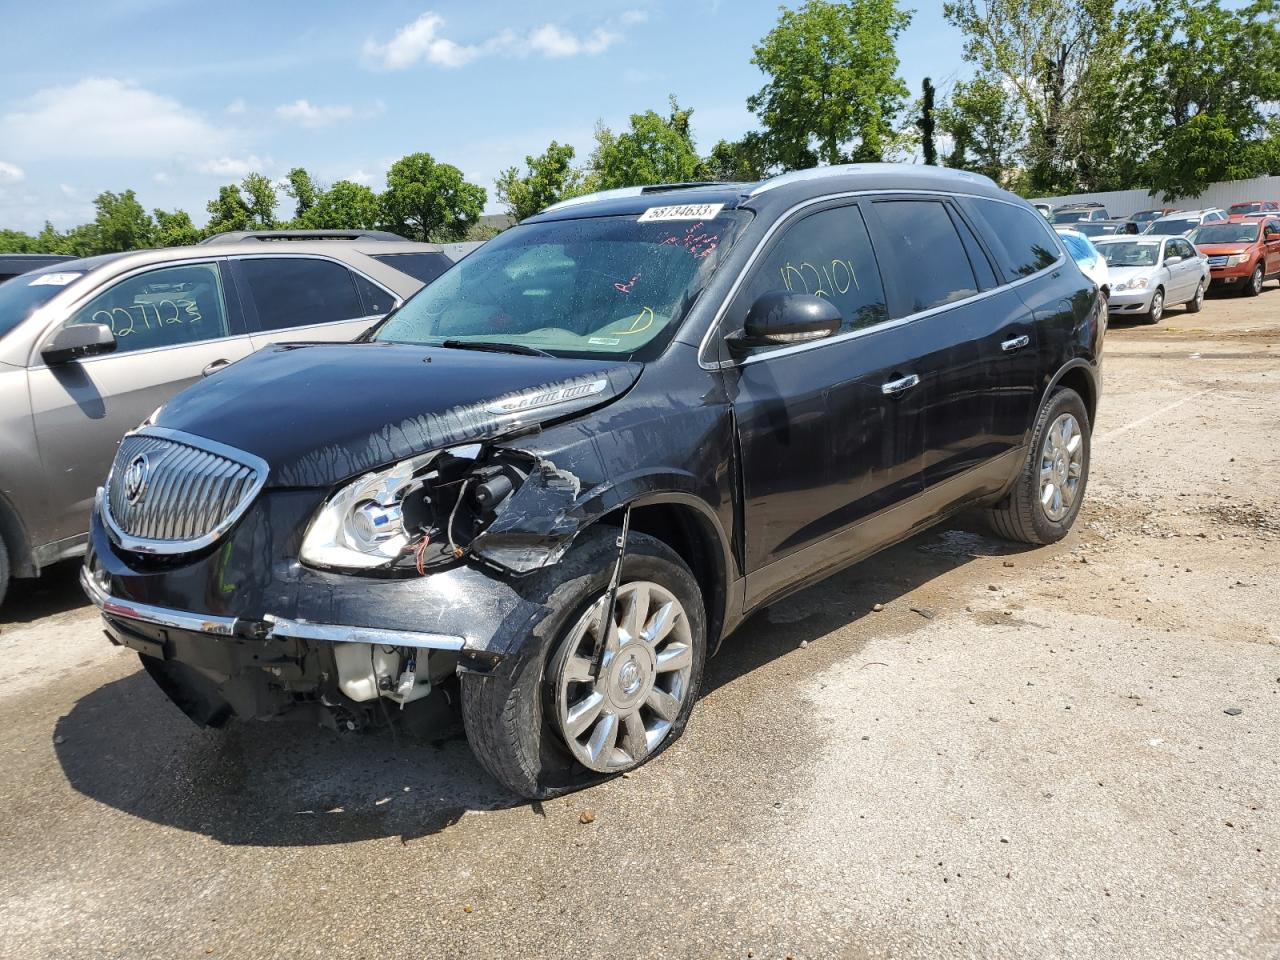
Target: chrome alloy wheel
[[616, 719], [1061, 465], [1157, 306]]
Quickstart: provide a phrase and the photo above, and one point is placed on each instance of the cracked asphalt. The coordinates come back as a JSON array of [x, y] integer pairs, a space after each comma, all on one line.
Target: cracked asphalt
[[1058, 752]]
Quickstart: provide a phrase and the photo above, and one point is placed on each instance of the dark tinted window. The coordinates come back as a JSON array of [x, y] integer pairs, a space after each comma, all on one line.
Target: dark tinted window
[[924, 255], [376, 300], [293, 292], [24, 294], [421, 266], [829, 255], [167, 307], [1021, 241], [977, 257]]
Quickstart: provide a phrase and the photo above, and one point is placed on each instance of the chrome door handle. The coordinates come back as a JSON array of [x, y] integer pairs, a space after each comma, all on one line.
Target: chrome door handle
[[895, 387], [215, 367], [1017, 343]]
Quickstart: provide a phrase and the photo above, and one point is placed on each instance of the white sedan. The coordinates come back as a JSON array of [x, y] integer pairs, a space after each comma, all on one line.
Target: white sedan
[[1150, 273]]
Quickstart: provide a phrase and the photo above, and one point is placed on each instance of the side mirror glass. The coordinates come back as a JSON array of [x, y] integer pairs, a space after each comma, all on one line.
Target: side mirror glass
[[78, 340], [781, 317]]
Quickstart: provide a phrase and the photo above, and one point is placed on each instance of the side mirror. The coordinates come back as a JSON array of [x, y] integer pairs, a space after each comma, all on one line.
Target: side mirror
[[78, 340], [1169, 261], [781, 317]]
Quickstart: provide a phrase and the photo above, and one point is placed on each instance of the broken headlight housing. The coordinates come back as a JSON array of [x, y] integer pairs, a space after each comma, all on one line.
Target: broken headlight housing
[[419, 513]]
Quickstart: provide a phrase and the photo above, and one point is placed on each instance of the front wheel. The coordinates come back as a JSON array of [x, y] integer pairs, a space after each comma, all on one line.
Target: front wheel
[[546, 721], [1048, 493], [1157, 307], [1254, 286]]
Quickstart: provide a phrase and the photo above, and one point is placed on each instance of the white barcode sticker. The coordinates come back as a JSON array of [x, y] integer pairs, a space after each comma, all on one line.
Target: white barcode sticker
[[685, 211], [53, 279]]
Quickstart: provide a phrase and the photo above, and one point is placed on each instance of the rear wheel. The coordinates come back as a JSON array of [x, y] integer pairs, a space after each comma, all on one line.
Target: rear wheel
[[543, 723], [1196, 302], [1048, 493], [1157, 306], [1254, 286]]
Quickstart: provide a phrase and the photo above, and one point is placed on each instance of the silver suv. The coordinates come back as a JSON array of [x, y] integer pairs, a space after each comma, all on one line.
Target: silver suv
[[89, 348]]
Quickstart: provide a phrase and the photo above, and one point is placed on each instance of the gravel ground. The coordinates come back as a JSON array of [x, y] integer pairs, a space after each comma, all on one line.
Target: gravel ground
[[1061, 752]]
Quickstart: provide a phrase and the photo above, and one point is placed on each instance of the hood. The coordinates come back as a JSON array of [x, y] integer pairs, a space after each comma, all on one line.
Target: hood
[[320, 413], [1124, 273], [1219, 249]]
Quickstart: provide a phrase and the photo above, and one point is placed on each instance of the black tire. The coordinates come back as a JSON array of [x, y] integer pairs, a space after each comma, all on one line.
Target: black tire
[[4, 570], [1157, 307], [1197, 301], [1020, 516], [1253, 286], [507, 714]]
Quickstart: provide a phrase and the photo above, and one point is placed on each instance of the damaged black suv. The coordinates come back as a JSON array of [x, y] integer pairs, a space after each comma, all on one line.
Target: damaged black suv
[[552, 482]]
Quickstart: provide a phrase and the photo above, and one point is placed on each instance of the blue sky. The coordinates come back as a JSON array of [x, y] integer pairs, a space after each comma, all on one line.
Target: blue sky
[[175, 98]]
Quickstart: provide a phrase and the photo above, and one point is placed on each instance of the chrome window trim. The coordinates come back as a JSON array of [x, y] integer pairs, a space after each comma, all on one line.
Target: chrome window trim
[[82, 297], [152, 547], [706, 364]]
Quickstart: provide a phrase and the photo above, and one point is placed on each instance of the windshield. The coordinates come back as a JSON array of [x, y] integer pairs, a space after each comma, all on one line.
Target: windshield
[[28, 292], [1245, 208], [1142, 216], [1172, 228], [1130, 253], [612, 286], [1070, 216], [1096, 229], [1226, 233]]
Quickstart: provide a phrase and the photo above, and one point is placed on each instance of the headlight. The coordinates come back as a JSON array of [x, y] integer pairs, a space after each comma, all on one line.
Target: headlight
[[1237, 259], [362, 525], [1138, 283]]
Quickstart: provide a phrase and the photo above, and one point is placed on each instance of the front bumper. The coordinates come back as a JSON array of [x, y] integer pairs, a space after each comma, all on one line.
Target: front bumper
[[1230, 275], [1129, 301]]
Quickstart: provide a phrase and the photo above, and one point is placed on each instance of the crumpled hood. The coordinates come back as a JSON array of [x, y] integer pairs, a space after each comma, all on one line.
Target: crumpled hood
[[320, 413]]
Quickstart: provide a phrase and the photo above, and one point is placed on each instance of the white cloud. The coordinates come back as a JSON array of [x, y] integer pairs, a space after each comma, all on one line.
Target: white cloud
[[160, 177], [102, 117], [237, 107], [308, 114], [232, 166], [419, 40], [68, 191], [551, 41], [422, 41], [11, 172]]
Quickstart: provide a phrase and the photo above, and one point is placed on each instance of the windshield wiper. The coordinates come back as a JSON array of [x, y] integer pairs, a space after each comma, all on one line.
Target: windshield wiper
[[491, 346]]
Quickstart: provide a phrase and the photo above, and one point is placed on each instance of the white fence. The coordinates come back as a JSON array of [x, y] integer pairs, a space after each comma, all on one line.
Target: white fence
[[1121, 203]]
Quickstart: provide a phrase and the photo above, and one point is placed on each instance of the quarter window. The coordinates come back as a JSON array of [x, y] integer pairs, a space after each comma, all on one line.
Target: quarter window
[[1020, 240], [168, 307], [295, 292], [924, 256], [827, 254], [376, 300], [421, 266]]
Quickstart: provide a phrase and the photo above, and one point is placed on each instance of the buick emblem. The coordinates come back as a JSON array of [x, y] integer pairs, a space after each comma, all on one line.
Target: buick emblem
[[135, 478]]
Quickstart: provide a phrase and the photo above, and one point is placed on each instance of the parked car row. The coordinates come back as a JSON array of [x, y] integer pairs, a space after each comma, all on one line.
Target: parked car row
[[90, 347]]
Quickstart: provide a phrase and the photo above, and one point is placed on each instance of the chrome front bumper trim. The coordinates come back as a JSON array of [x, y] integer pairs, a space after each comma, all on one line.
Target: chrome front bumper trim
[[275, 626]]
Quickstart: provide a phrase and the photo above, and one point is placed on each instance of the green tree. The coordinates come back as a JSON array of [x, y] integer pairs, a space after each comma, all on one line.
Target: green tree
[[426, 200], [15, 241], [654, 149], [550, 177], [738, 161], [983, 126], [121, 223], [927, 123], [833, 90], [1049, 53], [344, 206], [174, 229], [250, 205], [1196, 99], [304, 190]]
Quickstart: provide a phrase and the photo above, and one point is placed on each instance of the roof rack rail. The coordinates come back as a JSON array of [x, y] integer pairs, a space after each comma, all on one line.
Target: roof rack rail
[[817, 173], [618, 192], [239, 236]]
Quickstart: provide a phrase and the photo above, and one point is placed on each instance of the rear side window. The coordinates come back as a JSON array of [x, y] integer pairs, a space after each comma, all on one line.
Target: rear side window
[[924, 257], [168, 307], [421, 266], [295, 292], [827, 254], [376, 300], [1021, 241]]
